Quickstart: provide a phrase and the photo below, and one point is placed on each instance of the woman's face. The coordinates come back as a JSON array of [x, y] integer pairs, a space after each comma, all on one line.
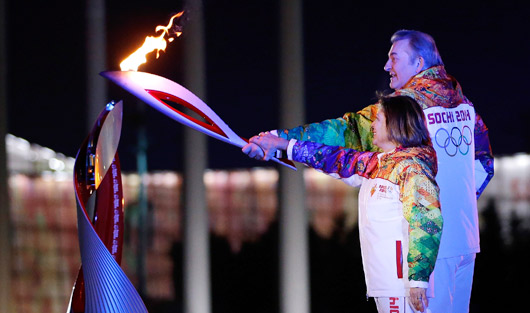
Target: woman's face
[[380, 133]]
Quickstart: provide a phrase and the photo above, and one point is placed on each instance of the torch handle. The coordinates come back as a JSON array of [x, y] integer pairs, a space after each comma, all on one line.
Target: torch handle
[[285, 162]]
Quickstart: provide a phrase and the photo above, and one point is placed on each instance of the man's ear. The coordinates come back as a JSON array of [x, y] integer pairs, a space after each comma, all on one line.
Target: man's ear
[[419, 64]]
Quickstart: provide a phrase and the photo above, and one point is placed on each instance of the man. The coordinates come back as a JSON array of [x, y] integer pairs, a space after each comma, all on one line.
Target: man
[[460, 138]]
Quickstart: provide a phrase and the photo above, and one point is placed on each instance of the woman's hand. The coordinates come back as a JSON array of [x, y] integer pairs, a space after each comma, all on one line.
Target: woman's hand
[[418, 299], [264, 146], [253, 151]]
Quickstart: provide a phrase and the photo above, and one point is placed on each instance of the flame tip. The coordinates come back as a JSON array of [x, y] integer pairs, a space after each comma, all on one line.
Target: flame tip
[[137, 58]]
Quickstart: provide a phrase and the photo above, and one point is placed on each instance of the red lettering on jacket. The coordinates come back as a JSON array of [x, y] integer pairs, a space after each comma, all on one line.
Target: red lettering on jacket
[[448, 117], [463, 115], [440, 117], [394, 307]]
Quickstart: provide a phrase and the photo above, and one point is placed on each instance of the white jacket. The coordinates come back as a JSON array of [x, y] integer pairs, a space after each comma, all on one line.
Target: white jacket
[[400, 222]]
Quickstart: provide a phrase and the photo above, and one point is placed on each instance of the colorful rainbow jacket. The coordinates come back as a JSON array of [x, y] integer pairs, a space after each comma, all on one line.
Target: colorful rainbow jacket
[[399, 210], [459, 136]]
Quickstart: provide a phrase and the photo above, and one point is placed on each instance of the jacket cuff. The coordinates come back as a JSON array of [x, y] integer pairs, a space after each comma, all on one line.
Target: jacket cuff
[[279, 153], [418, 284], [290, 146]]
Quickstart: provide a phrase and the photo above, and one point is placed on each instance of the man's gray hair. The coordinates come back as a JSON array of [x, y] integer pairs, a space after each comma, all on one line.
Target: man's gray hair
[[422, 44]]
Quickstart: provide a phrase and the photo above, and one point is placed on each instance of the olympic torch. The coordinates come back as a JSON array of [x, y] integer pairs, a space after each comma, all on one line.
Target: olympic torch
[[169, 97]]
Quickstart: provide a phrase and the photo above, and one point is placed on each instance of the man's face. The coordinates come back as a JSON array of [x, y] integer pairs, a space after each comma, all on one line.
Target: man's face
[[399, 65]]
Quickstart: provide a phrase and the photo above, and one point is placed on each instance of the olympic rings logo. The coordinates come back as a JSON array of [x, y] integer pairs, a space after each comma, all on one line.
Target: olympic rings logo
[[454, 141]]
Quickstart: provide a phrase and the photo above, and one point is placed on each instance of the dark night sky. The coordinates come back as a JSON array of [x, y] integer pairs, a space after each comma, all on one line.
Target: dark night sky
[[484, 44]]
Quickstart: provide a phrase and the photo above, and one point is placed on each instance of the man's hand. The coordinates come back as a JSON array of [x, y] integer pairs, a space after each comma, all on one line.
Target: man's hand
[[418, 299]]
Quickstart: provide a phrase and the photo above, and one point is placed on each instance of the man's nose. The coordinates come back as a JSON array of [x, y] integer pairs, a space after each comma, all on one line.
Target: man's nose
[[387, 66]]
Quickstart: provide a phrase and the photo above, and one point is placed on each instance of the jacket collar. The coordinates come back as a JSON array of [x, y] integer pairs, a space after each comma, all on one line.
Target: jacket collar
[[434, 87]]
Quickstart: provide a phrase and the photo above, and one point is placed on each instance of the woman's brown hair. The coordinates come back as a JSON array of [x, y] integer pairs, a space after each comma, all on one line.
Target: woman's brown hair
[[405, 121]]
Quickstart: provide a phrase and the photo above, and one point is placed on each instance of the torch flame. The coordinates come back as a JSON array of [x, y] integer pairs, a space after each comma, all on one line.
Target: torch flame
[[151, 43]]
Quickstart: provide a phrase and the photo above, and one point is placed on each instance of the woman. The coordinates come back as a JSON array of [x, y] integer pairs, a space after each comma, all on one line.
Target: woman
[[399, 208]]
